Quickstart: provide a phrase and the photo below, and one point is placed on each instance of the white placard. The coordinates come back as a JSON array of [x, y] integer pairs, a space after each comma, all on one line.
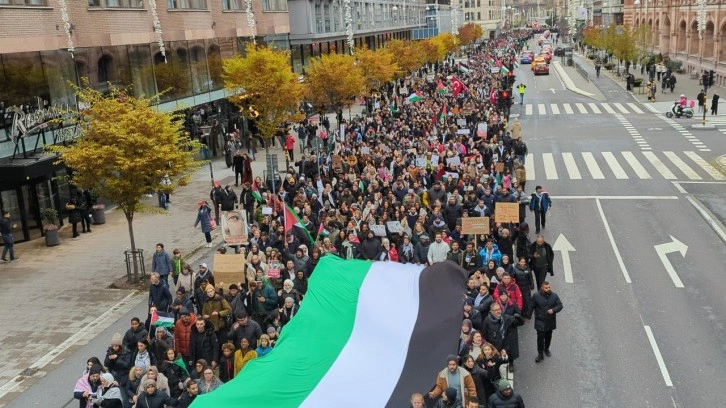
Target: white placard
[[394, 227], [455, 160], [452, 174], [379, 230], [266, 210], [434, 160], [495, 70], [420, 161], [460, 122], [463, 132], [365, 150], [481, 129]]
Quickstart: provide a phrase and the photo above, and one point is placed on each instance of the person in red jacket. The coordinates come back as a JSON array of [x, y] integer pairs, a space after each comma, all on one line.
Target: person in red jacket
[[183, 333], [508, 285], [290, 146]]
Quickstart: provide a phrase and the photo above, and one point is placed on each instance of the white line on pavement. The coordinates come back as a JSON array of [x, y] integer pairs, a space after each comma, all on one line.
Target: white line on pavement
[[682, 166], [87, 332], [634, 107], [679, 187], [658, 356], [568, 108], [612, 241], [717, 175], [620, 107], [706, 216], [549, 165], [592, 166], [541, 109], [594, 107], [529, 166], [555, 109], [635, 164], [615, 166], [662, 169], [607, 108], [528, 109], [581, 108], [571, 166]]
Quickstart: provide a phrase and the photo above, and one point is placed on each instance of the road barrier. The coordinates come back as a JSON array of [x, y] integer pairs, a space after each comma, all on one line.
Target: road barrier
[[582, 72]]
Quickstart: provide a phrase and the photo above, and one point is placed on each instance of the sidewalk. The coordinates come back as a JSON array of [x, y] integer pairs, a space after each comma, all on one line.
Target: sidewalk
[[575, 82], [56, 299]]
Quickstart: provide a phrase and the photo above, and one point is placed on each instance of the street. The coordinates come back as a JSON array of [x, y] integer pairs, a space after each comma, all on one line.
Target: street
[[639, 203], [643, 321]]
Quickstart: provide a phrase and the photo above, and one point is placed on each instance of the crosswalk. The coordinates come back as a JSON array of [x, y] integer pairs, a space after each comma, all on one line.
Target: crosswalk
[[591, 108], [623, 165]]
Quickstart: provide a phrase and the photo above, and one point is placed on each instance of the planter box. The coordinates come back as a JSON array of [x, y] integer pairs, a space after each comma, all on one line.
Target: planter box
[[51, 238], [99, 217]]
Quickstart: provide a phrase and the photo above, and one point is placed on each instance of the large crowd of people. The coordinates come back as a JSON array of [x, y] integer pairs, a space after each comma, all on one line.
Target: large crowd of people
[[395, 184]]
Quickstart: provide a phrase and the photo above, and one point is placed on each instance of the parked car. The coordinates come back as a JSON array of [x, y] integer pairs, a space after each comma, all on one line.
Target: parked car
[[559, 51], [527, 57]]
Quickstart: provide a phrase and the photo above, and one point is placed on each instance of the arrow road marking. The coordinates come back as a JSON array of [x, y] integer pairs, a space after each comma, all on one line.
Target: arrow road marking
[[553, 90], [563, 245], [663, 250]]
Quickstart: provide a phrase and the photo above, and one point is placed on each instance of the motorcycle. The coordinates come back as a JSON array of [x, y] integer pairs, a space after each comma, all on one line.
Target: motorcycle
[[678, 112]]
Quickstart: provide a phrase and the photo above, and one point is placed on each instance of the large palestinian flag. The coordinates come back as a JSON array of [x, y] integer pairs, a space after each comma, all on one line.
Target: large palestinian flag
[[367, 333]]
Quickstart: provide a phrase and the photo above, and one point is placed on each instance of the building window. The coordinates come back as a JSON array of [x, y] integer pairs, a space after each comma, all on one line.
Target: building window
[[119, 3], [104, 68], [274, 5], [234, 5], [28, 3], [187, 4]]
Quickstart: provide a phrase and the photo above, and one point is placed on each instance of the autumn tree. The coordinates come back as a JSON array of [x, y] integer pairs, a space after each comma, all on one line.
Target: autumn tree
[[593, 37], [643, 37], [433, 51], [408, 55], [264, 87], [334, 81], [468, 33], [378, 66], [128, 148], [448, 41], [625, 47]]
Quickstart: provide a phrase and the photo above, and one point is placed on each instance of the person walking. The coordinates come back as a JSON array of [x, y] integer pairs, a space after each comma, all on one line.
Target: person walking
[[6, 228], [540, 203], [546, 305], [701, 98], [205, 218], [505, 397], [161, 264], [541, 259], [714, 103], [521, 89], [598, 66], [290, 146]]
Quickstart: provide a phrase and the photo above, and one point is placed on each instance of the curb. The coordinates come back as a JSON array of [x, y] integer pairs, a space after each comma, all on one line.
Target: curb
[[569, 84]]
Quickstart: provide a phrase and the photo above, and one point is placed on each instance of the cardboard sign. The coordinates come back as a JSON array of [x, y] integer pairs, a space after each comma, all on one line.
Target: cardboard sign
[[463, 132], [461, 122], [456, 161], [229, 268], [234, 227], [420, 161], [394, 227], [434, 160], [506, 212], [379, 230], [475, 225], [499, 167], [365, 150], [266, 210]]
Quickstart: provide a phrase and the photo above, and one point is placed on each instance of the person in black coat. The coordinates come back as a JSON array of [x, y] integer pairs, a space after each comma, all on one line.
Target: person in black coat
[[118, 359], [203, 343], [497, 327], [228, 198], [546, 305], [370, 247], [541, 259], [505, 397], [523, 277], [74, 215]]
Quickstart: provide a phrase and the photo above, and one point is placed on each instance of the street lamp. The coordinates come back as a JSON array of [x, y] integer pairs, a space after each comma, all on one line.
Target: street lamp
[[701, 19]]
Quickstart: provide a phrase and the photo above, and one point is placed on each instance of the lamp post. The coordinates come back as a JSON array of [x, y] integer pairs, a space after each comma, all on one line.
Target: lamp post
[[701, 19]]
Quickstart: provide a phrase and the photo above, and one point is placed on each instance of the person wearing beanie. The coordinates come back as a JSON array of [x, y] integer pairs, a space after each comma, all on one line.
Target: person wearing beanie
[[87, 386], [456, 377], [505, 397], [449, 399], [109, 395], [118, 358]]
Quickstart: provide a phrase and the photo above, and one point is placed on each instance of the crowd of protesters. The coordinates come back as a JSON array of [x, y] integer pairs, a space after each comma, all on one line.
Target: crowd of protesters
[[393, 185]]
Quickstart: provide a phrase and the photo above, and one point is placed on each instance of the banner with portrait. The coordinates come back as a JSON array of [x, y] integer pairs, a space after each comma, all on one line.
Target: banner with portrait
[[234, 228]]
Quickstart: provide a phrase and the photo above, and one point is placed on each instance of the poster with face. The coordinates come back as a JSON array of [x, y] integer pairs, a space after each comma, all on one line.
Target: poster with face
[[234, 228]]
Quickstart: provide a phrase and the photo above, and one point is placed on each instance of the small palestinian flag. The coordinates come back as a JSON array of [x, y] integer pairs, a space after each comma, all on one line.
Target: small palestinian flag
[[322, 231], [394, 108], [414, 97], [442, 115], [463, 69], [293, 221], [161, 319], [440, 88], [504, 70], [256, 192], [516, 64], [356, 298]]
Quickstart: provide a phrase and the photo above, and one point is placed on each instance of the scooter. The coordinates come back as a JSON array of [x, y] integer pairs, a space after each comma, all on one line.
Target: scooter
[[675, 111]]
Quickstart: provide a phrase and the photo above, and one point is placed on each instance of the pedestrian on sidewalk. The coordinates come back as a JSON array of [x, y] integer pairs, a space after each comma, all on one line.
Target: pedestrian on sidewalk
[[546, 306], [74, 215], [6, 231], [290, 146], [204, 217], [161, 264], [215, 196], [701, 98], [540, 204], [598, 66], [714, 104]]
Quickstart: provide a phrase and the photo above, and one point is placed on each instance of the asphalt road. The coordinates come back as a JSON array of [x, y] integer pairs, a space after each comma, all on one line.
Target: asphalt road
[[622, 300]]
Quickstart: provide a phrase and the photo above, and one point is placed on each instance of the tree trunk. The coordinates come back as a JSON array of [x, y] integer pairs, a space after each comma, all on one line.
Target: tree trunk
[[134, 255]]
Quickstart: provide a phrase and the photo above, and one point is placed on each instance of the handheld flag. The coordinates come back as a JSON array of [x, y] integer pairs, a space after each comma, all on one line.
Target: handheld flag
[[504, 70], [414, 97], [322, 231], [293, 221], [440, 88], [256, 192], [356, 297], [458, 86], [161, 319], [442, 115]]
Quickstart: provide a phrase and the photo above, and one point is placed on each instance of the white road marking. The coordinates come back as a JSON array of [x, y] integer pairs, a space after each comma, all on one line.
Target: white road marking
[[529, 166], [571, 166], [634, 107], [527, 109], [679, 187], [581, 108], [620, 107], [607, 108], [597, 197], [706, 216], [682, 166], [667, 248], [541, 109], [658, 356], [612, 241], [555, 109], [594, 107], [88, 331], [717, 175], [549, 165], [568, 108], [635, 164], [592, 166], [662, 169], [614, 166]]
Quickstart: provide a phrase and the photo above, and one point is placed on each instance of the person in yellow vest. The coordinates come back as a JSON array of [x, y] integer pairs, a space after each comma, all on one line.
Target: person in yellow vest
[[521, 88]]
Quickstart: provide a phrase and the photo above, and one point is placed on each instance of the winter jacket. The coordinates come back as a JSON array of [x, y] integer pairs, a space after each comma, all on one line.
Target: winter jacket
[[159, 346], [175, 375], [468, 388], [156, 400], [498, 400], [515, 294], [541, 303], [120, 365], [183, 334], [242, 358], [229, 199], [133, 337], [421, 253], [252, 332], [160, 296], [437, 252], [488, 255], [205, 218], [550, 255], [221, 306], [185, 401], [540, 203], [495, 331], [204, 345], [161, 263], [226, 368], [370, 248]]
